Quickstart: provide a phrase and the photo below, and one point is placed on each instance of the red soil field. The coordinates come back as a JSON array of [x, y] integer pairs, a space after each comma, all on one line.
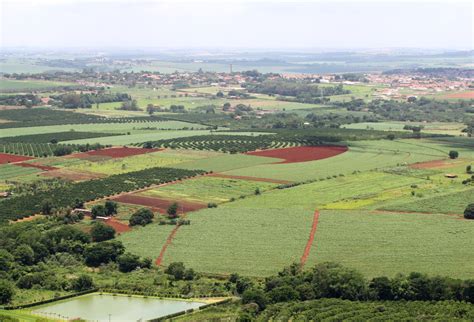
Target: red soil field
[[34, 165], [8, 158], [467, 95], [159, 204], [228, 176], [302, 153], [116, 152], [117, 225], [310, 239]]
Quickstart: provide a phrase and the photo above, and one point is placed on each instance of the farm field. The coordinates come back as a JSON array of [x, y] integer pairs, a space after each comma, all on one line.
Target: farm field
[[209, 189], [435, 127], [390, 243], [362, 156], [249, 241], [22, 85], [130, 163]]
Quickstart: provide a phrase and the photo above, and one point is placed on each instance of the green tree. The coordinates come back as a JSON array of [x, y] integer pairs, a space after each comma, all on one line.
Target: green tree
[[24, 254], [102, 232], [110, 207], [173, 210], [6, 292], [143, 216], [82, 283], [47, 207], [453, 154], [98, 211], [128, 262], [6, 260], [176, 269], [255, 295]]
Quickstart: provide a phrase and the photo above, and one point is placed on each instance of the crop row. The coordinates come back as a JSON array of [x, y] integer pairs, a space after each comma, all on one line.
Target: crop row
[[54, 137], [234, 143], [26, 205], [339, 310], [45, 149]]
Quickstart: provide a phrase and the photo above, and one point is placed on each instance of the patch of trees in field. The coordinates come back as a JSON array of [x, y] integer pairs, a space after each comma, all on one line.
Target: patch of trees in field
[[297, 91], [72, 193], [28, 100], [46, 149], [86, 100], [419, 110], [331, 280]]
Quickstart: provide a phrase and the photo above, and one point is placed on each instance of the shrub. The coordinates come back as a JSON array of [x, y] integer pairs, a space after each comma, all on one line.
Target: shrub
[[82, 283], [469, 212], [453, 154], [255, 295], [172, 211], [6, 292], [102, 232], [142, 216], [98, 211]]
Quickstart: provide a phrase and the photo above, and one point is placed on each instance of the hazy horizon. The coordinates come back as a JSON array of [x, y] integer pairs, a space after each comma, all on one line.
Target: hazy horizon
[[237, 25]]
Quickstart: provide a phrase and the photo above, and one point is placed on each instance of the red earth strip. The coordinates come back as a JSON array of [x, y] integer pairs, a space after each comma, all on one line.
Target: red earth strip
[[35, 165], [165, 246], [118, 226], [159, 204], [310, 239], [8, 158], [302, 153]]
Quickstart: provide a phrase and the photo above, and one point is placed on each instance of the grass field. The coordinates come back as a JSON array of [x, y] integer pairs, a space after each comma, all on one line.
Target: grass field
[[123, 128], [362, 156], [209, 189], [435, 127], [132, 163], [227, 162], [250, 241], [9, 171], [19, 85], [387, 244]]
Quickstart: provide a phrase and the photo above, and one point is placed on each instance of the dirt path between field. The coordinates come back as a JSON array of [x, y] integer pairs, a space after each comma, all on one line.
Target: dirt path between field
[[167, 243], [307, 249]]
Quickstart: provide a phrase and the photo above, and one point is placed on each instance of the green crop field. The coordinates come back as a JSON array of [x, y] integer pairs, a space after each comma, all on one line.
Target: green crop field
[[362, 156], [146, 241], [19, 85], [209, 189], [435, 127], [389, 243], [227, 162], [250, 241], [131, 163], [9, 171]]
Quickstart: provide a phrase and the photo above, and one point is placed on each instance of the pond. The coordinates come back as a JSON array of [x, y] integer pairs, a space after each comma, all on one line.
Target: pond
[[107, 307]]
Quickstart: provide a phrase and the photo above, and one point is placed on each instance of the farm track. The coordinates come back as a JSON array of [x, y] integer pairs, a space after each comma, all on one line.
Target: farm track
[[307, 249], [167, 243]]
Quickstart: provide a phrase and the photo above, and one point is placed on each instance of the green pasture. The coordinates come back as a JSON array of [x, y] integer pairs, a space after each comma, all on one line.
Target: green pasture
[[389, 243], [434, 127], [362, 156], [353, 188], [209, 189], [10, 171], [132, 127], [131, 163], [146, 241], [19, 85], [226, 162], [249, 241]]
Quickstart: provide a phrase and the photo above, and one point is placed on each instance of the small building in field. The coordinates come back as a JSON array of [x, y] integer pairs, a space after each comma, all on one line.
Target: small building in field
[[5, 194], [86, 212], [451, 175]]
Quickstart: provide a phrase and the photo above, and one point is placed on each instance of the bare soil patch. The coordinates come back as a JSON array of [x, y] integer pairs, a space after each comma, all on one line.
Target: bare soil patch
[[9, 158], [159, 204], [72, 175], [302, 153], [115, 152]]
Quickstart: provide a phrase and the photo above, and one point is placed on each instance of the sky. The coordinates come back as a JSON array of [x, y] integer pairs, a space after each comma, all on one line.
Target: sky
[[237, 24]]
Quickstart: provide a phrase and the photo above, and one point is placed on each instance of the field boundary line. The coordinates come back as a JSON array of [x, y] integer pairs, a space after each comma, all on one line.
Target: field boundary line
[[307, 249]]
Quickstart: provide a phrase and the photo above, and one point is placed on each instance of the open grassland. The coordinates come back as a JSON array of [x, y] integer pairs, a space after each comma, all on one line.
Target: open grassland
[[362, 156], [146, 241], [315, 195], [227, 162], [250, 241], [435, 127], [388, 243], [9, 171], [19, 85], [208, 189], [122, 128], [131, 163], [447, 203]]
